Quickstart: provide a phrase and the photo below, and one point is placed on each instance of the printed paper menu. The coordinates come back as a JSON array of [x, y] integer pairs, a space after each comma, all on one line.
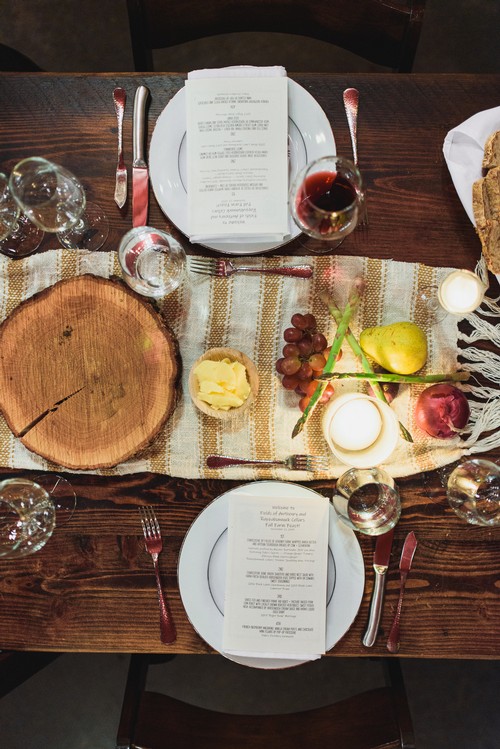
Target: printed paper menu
[[276, 583], [237, 161]]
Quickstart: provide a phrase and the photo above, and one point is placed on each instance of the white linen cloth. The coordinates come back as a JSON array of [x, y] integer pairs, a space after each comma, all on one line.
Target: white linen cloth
[[463, 150], [241, 72]]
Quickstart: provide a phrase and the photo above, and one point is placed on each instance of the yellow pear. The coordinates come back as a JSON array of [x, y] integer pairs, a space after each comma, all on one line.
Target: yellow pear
[[400, 347]]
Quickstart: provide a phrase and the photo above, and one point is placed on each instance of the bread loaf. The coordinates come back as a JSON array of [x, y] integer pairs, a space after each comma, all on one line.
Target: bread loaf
[[492, 151], [486, 203]]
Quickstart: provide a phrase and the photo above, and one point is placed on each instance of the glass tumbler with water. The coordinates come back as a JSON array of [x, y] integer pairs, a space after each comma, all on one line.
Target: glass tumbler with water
[[474, 492], [367, 500], [153, 262], [27, 517]]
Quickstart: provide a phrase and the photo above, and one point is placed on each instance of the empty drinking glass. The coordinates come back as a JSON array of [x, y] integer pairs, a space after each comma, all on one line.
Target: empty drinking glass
[[18, 236], [474, 492], [27, 517], [55, 201], [152, 261], [367, 500]]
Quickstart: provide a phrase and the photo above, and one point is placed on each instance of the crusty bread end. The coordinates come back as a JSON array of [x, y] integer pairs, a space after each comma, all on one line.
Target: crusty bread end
[[492, 151], [486, 207]]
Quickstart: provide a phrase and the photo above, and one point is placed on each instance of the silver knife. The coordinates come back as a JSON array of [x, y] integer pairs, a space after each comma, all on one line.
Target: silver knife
[[140, 177], [120, 98], [409, 547], [380, 565]]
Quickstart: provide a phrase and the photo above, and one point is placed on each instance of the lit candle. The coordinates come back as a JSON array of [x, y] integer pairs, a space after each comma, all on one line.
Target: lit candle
[[356, 425], [460, 292]]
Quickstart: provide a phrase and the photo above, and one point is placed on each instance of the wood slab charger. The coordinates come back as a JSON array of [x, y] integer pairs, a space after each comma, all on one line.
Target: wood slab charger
[[88, 372]]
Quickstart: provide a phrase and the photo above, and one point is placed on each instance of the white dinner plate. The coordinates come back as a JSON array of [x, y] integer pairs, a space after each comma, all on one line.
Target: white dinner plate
[[309, 137], [202, 571]]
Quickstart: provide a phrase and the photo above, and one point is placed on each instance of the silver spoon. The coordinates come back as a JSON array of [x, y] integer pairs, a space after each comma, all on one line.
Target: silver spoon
[[351, 104]]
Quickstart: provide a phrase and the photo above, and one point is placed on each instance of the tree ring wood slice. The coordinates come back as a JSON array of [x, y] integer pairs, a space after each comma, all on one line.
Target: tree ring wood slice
[[88, 372]]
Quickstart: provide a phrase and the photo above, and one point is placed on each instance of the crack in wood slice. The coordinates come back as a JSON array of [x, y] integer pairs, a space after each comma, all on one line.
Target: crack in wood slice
[[45, 413]]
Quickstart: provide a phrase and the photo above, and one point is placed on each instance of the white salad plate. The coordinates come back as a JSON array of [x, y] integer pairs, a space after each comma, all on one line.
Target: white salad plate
[[202, 571], [309, 137]]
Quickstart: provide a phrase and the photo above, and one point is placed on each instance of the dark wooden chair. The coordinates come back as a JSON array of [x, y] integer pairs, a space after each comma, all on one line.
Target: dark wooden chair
[[378, 719], [385, 32], [15, 668], [14, 61]]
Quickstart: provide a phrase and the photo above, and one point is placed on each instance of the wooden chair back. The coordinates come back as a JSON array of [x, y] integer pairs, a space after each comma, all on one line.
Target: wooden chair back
[[385, 32], [378, 719], [13, 61]]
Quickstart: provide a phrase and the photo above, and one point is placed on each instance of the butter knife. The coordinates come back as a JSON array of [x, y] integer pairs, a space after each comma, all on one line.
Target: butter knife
[[409, 547], [119, 99], [140, 177], [380, 565]]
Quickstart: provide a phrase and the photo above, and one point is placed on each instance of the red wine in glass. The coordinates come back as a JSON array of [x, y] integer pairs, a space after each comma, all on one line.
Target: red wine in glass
[[326, 198], [321, 195]]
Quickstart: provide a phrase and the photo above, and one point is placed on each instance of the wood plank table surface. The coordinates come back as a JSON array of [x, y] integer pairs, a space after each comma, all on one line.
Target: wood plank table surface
[[91, 588]]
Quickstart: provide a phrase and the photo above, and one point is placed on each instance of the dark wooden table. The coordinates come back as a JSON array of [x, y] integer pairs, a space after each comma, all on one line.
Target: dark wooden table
[[91, 588]]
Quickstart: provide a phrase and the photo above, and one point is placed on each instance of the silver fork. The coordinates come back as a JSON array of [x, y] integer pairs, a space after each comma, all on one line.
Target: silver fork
[[294, 462], [224, 268], [351, 104], [154, 545]]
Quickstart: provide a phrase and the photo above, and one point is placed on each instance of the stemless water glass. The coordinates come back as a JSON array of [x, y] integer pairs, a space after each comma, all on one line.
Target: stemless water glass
[[152, 261], [326, 198], [18, 236], [54, 200], [27, 517], [474, 492], [367, 500]]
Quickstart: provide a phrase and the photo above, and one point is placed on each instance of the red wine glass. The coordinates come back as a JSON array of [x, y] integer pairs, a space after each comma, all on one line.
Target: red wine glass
[[326, 199]]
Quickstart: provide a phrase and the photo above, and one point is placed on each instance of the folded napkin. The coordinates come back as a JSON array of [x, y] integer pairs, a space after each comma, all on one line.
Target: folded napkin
[[239, 71], [237, 131], [463, 150]]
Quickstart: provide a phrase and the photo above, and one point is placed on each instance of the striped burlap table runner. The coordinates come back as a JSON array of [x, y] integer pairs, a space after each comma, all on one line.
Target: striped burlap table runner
[[250, 312]]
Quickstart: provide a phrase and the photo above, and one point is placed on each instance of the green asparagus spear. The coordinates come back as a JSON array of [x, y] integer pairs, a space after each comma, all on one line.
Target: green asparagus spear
[[390, 377], [353, 301]]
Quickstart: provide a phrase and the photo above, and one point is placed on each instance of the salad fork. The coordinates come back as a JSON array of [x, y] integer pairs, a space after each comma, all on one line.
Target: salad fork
[[224, 268], [351, 102], [294, 462], [154, 545]]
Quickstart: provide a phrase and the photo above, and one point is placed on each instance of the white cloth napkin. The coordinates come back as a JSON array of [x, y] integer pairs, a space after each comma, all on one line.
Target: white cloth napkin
[[239, 71], [463, 150]]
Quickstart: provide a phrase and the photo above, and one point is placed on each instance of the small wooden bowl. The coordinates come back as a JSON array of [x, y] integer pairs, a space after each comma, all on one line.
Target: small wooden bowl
[[217, 354]]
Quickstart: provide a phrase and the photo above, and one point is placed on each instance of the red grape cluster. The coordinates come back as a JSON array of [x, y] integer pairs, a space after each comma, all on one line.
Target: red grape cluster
[[304, 357]]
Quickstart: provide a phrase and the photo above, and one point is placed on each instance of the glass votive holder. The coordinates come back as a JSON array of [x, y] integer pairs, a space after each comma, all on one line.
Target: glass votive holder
[[367, 500], [153, 262], [474, 492], [461, 292]]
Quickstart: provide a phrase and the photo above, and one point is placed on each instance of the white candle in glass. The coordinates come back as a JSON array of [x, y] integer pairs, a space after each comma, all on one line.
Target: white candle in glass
[[461, 292], [356, 425]]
